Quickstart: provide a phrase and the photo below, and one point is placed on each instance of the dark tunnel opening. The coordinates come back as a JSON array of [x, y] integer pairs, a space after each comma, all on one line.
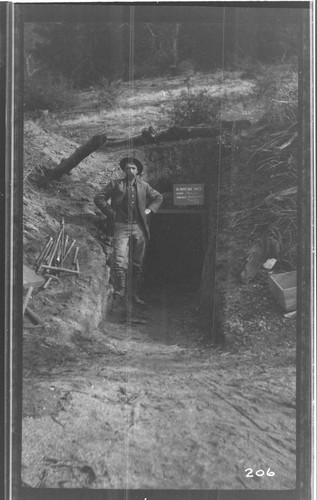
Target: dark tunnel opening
[[175, 252]]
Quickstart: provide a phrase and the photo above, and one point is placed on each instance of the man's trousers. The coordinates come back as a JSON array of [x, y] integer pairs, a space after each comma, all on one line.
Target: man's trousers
[[125, 233]]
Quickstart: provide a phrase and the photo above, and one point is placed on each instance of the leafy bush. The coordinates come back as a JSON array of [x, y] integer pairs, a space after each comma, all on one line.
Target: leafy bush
[[108, 92], [194, 108], [49, 92]]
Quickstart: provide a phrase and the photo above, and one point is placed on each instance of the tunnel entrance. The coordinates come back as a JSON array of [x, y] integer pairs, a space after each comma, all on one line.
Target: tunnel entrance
[[175, 253]]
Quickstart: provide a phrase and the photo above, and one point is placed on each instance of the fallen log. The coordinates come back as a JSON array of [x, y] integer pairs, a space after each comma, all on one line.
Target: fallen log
[[67, 164], [147, 136]]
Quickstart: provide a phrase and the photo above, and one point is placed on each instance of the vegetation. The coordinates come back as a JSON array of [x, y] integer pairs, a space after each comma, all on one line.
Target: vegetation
[[80, 55], [280, 94], [267, 170], [74, 55], [194, 108]]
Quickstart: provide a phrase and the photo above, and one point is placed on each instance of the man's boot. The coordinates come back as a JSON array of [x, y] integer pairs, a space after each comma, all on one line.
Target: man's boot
[[137, 280], [121, 282]]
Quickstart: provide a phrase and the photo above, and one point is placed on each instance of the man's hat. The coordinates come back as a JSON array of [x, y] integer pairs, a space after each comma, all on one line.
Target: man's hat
[[134, 161]]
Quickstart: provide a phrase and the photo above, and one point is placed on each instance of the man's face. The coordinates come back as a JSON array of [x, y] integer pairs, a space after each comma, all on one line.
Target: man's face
[[131, 171]]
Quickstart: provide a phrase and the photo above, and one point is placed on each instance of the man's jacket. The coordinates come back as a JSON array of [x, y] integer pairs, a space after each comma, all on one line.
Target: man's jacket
[[115, 191]]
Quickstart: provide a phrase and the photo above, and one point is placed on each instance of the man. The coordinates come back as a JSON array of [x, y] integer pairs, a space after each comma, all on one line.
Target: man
[[132, 201]]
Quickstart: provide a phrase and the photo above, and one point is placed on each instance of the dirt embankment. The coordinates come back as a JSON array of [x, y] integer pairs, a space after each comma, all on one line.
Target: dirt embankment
[[144, 400]]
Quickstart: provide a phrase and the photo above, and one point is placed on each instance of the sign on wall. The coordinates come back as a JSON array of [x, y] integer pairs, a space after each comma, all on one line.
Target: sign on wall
[[188, 194]]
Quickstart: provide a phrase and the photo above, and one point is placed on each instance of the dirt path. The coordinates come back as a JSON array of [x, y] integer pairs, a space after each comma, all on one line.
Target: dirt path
[[149, 404]]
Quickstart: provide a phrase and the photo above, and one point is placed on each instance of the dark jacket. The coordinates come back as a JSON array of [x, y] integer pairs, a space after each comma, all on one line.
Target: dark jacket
[[115, 190]]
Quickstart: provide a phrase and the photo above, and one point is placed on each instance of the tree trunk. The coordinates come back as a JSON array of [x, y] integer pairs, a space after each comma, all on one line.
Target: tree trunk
[[175, 44]]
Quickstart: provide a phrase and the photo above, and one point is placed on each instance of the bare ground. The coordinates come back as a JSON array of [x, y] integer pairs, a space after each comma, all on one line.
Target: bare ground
[[149, 403]]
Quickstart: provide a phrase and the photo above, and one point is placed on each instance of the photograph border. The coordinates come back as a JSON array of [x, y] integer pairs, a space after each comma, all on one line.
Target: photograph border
[[12, 53]]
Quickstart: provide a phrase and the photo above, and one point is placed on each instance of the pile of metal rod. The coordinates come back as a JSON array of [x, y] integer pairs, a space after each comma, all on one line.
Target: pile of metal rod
[[58, 255]]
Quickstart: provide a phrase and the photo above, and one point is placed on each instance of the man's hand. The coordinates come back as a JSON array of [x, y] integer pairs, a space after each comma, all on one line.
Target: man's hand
[[147, 211]]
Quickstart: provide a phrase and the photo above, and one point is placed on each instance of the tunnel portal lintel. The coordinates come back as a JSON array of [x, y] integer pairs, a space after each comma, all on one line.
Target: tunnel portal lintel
[[197, 211]]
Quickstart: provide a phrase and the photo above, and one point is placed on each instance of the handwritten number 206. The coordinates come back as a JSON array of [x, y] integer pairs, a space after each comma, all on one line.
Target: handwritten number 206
[[259, 472]]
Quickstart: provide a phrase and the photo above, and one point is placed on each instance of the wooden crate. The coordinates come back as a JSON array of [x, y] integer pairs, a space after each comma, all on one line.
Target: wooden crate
[[284, 288]]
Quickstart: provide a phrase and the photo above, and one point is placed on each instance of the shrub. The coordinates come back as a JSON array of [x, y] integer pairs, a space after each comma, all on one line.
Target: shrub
[[194, 108], [108, 92]]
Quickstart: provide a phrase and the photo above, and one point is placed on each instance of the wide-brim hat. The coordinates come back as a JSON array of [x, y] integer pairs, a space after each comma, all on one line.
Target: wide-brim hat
[[134, 161]]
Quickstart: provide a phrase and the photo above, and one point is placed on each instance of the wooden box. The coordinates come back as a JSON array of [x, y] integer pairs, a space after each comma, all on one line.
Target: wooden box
[[284, 289]]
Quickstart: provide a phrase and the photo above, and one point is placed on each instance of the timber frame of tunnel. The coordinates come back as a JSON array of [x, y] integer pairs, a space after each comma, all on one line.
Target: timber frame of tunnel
[[183, 246]]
